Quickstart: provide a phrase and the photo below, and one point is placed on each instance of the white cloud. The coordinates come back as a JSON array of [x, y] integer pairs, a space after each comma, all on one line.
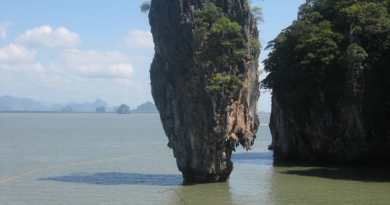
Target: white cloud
[[139, 39], [261, 65], [3, 29], [18, 58], [264, 74], [23, 67], [72, 75], [47, 37], [14, 53], [94, 64], [93, 56], [122, 68]]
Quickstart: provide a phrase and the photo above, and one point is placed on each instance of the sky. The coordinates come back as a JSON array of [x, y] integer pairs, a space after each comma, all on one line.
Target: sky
[[81, 50]]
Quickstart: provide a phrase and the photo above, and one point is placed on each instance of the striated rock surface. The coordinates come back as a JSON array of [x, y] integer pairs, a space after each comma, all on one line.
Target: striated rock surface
[[332, 109], [207, 106]]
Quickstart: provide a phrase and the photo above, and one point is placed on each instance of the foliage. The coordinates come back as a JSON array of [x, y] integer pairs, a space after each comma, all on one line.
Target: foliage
[[255, 47], [221, 82], [221, 46], [257, 13], [145, 6], [329, 37], [219, 39], [354, 56]]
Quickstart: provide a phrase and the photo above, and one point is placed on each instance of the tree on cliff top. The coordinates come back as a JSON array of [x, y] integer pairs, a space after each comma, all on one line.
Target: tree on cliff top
[[256, 11], [145, 6], [327, 39], [219, 40]]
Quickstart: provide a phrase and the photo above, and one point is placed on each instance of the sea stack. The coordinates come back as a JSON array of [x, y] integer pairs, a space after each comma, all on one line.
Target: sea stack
[[329, 75], [204, 79]]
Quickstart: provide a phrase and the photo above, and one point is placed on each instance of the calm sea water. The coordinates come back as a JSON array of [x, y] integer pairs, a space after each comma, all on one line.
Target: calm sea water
[[123, 159]]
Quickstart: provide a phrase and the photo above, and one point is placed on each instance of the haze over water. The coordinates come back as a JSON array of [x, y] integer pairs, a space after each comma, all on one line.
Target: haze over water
[[123, 159]]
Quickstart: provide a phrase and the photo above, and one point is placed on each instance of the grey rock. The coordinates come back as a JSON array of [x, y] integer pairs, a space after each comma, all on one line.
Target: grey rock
[[203, 125], [353, 129]]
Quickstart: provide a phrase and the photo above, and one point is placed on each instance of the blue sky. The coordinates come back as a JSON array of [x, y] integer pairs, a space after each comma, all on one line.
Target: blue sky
[[80, 50]]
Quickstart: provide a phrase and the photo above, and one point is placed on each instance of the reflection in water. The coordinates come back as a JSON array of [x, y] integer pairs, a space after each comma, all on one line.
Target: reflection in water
[[116, 178], [251, 178], [211, 193]]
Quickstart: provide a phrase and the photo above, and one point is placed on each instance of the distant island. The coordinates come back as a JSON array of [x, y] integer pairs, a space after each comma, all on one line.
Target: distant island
[[123, 109], [12, 104], [147, 107]]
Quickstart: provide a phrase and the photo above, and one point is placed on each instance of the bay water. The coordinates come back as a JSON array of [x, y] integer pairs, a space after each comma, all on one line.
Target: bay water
[[91, 158]]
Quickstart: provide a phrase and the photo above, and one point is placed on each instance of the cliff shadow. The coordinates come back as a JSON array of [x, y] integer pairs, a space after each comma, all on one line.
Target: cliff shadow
[[118, 178], [256, 158], [343, 172], [353, 172]]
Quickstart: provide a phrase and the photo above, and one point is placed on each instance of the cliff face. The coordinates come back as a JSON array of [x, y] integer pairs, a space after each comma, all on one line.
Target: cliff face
[[207, 106], [331, 99], [348, 130]]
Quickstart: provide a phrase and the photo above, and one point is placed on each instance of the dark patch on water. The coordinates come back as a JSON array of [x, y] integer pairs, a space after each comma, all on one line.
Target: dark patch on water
[[353, 173], [118, 178]]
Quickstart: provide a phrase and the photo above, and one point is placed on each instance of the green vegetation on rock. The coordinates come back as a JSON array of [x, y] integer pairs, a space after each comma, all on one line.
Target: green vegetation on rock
[[329, 38], [257, 12], [219, 39], [255, 47], [329, 74], [221, 46], [145, 6], [229, 81]]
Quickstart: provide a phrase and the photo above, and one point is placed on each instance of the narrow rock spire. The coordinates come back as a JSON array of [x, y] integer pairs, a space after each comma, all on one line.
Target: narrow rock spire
[[204, 79]]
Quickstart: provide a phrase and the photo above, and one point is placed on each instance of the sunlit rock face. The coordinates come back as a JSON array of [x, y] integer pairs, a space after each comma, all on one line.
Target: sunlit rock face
[[207, 110]]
